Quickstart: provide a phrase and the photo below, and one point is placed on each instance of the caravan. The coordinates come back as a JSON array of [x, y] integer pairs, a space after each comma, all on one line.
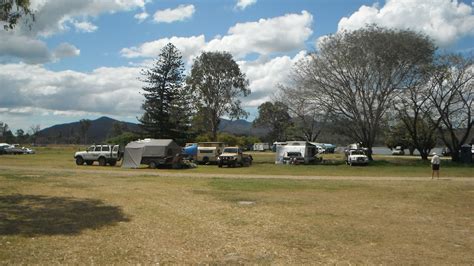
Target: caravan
[[296, 152]]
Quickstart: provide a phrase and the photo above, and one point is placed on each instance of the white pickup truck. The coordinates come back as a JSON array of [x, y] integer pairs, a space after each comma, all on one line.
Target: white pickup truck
[[104, 154]]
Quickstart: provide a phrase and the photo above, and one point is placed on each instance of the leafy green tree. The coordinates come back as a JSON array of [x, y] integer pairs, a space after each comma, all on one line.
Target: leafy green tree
[[123, 139], [217, 83], [356, 74], [12, 10], [275, 117], [166, 103]]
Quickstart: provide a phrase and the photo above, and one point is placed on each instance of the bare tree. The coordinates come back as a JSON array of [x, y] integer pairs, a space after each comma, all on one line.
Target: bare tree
[[452, 95], [357, 74], [34, 131], [308, 114], [84, 127], [415, 110]]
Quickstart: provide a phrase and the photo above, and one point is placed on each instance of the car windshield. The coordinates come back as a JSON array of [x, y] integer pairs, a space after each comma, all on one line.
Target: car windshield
[[231, 150], [91, 148], [357, 153]]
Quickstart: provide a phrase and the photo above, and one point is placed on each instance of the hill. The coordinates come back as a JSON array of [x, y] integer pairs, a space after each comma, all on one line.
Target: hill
[[99, 130], [103, 127]]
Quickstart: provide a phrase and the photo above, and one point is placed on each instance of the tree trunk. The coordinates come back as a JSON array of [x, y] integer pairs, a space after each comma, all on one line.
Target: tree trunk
[[412, 150], [455, 156], [369, 153]]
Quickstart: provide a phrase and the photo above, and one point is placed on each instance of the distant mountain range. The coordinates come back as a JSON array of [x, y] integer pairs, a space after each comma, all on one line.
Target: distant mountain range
[[99, 130], [102, 128]]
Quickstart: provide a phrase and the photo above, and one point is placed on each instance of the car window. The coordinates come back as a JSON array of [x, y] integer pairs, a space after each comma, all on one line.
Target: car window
[[91, 148], [97, 148], [115, 148], [105, 148], [231, 150]]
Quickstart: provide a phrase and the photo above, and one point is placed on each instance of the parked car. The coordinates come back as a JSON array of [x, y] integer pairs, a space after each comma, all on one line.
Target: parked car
[[357, 157], [233, 156], [398, 151], [104, 154], [14, 149]]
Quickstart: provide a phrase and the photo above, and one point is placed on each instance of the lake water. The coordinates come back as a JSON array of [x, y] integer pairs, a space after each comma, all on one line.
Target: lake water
[[387, 151]]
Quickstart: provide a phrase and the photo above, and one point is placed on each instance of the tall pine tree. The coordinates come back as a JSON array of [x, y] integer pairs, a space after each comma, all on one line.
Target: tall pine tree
[[166, 100]]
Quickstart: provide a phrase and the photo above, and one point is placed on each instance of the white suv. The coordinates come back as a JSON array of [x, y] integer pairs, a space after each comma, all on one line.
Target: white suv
[[357, 157], [104, 154]]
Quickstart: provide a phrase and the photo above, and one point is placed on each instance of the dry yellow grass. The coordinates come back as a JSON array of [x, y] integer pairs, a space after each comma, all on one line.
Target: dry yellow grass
[[103, 219]]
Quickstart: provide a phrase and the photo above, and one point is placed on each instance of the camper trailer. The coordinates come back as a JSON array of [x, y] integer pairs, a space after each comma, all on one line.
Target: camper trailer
[[208, 152], [261, 146], [155, 153], [296, 152]]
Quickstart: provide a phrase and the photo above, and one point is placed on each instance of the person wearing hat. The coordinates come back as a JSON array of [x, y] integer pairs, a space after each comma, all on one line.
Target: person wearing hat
[[435, 161]]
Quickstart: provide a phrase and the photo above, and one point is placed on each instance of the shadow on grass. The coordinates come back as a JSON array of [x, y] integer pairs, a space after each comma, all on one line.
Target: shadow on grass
[[42, 215]]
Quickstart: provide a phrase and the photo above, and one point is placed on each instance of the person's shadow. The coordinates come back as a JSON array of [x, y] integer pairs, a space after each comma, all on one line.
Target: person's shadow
[[43, 215]]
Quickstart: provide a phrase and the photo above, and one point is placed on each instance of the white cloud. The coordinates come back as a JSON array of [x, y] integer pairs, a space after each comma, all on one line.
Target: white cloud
[[180, 13], [52, 16], [84, 26], [445, 21], [141, 16], [188, 46], [103, 91], [66, 50], [264, 77], [265, 36], [243, 4], [274, 35]]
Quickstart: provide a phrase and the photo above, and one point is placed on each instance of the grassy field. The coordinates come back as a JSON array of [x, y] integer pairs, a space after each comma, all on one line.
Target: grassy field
[[62, 158], [48, 215]]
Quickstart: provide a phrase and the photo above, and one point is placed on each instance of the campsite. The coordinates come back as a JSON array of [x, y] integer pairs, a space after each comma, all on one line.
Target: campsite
[[239, 132], [388, 213]]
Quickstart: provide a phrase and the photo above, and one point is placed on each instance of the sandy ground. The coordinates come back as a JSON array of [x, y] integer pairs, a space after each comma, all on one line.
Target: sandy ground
[[183, 173]]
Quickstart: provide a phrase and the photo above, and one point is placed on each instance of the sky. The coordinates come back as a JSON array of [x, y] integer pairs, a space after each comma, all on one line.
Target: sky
[[82, 58]]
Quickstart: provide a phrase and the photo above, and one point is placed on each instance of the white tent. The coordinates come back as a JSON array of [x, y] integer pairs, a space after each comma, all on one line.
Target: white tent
[[147, 150]]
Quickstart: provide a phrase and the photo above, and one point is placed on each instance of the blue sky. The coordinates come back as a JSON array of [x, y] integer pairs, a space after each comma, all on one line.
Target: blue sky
[[82, 58]]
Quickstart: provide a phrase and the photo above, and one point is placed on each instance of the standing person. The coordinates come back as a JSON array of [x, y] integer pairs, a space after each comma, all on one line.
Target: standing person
[[435, 161]]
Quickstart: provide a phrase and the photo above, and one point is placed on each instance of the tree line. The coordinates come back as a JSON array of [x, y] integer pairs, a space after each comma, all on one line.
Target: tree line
[[376, 81]]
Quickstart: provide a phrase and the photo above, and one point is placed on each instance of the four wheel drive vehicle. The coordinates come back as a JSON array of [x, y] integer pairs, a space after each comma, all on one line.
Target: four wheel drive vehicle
[[398, 151], [233, 156], [356, 157], [104, 154]]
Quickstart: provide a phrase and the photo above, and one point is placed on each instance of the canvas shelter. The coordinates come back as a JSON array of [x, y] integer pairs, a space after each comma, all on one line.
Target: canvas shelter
[[135, 151]]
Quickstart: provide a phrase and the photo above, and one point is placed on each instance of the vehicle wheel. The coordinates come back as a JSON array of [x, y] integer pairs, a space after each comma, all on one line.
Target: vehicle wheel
[[205, 160], [220, 164], [89, 162], [152, 165], [102, 161], [113, 163], [79, 161]]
